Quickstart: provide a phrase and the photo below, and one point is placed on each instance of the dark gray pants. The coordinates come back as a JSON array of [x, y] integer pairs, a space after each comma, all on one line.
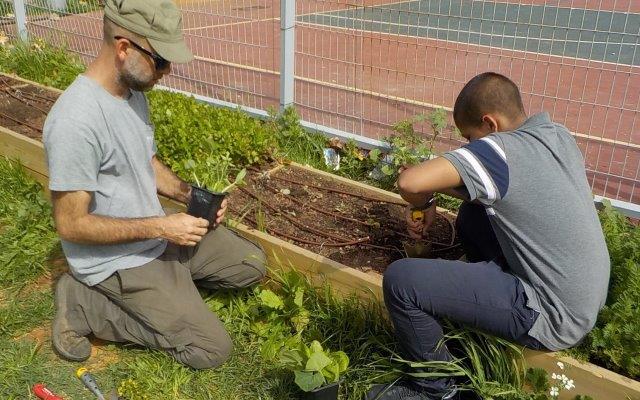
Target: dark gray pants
[[158, 304], [480, 294]]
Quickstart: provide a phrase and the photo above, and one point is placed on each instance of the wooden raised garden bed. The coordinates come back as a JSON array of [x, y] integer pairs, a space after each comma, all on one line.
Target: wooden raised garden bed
[[335, 238]]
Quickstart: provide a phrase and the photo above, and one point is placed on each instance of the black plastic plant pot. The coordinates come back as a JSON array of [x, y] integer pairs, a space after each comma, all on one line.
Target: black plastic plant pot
[[327, 392], [205, 204]]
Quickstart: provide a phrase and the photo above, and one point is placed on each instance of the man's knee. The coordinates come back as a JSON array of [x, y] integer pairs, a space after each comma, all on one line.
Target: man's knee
[[202, 357], [257, 261]]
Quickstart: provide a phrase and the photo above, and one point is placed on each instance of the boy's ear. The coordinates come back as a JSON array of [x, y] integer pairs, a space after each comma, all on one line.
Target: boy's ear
[[490, 122]]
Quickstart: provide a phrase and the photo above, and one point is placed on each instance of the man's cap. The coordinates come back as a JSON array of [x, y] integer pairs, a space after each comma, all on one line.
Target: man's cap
[[159, 21]]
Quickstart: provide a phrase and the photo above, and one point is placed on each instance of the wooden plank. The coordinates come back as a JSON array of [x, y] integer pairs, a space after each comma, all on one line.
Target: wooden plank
[[283, 255], [597, 382], [30, 152], [36, 84], [589, 379]]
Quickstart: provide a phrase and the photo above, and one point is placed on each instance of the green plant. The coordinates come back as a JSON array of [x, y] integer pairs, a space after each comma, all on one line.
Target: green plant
[[41, 62], [438, 119], [186, 129], [615, 340], [129, 389], [312, 365], [294, 143], [213, 174], [279, 315], [27, 237]]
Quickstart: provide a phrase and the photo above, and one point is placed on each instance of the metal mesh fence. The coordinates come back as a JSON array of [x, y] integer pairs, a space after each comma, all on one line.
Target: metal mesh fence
[[363, 65]]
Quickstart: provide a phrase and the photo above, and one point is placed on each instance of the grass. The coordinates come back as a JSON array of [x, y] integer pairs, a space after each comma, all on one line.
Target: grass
[[41, 62], [27, 238], [26, 356]]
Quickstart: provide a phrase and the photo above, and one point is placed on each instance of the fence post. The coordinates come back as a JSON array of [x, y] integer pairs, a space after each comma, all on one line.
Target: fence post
[[287, 52], [19, 11]]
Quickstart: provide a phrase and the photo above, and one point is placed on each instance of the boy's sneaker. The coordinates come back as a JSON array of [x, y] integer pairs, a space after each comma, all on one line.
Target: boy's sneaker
[[405, 390], [68, 333]]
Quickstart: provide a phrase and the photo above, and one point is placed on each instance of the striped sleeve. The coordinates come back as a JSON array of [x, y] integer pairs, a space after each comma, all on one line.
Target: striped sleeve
[[482, 164]]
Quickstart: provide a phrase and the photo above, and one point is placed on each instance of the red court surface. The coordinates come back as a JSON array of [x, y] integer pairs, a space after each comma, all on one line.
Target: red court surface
[[363, 82]]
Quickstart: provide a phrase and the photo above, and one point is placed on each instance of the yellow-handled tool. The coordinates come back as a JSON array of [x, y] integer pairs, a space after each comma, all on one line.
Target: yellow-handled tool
[[87, 379]]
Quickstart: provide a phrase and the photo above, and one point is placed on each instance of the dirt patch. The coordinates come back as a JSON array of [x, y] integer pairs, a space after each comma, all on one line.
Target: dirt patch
[[344, 223], [102, 354], [24, 107], [58, 267], [39, 335]]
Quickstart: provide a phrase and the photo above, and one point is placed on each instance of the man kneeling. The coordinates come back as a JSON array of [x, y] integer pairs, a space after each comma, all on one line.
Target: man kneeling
[[135, 270]]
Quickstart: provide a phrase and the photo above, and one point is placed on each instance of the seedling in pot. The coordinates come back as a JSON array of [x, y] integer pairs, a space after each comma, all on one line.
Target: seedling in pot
[[317, 371], [205, 203]]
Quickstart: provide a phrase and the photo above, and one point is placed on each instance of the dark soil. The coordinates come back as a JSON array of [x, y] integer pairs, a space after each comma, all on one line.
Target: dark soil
[[367, 234], [24, 107]]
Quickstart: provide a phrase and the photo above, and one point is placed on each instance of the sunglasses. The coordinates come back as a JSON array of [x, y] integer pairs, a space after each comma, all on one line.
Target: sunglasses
[[159, 62]]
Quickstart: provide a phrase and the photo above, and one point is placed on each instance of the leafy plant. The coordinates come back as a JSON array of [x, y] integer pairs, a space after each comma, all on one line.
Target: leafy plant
[[129, 389], [615, 340], [277, 316], [213, 174], [27, 237], [312, 365], [186, 129], [41, 62], [294, 143]]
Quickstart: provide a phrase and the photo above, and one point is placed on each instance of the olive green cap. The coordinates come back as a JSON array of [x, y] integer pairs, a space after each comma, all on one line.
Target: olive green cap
[[159, 21]]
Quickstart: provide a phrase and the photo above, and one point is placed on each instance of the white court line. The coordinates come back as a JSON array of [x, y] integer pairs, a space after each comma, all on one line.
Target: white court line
[[467, 44], [232, 24]]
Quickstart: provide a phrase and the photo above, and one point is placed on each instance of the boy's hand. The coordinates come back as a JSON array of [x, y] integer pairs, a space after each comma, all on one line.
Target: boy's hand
[[417, 229], [183, 229]]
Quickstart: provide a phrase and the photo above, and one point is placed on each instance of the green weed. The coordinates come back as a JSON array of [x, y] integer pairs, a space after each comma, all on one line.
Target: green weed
[[189, 133], [27, 238], [293, 141], [41, 62], [615, 340]]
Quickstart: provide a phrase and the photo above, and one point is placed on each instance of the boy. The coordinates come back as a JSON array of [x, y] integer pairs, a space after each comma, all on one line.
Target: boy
[[538, 267]]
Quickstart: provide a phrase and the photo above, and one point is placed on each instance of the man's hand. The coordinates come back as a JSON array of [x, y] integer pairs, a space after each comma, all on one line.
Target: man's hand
[[221, 212], [184, 229], [417, 229]]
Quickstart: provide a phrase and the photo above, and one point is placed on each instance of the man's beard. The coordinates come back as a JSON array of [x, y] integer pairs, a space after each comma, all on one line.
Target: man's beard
[[134, 82]]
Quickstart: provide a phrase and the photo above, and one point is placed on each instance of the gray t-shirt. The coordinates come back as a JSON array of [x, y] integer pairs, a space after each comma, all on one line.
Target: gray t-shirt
[[103, 144], [533, 185]]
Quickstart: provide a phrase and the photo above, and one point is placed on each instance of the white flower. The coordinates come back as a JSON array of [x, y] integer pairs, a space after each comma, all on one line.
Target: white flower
[[554, 392], [569, 384], [554, 376], [560, 365], [564, 378]]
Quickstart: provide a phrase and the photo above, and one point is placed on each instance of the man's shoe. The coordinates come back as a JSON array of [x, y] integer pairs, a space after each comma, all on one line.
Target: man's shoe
[[406, 390], [68, 340]]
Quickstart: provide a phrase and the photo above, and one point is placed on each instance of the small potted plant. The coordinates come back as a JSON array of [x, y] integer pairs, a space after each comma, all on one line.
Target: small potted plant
[[317, 371], [205, 203]]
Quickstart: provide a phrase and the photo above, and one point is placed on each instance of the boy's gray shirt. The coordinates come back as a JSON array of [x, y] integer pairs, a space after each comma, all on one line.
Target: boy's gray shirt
[[533, 185], [102, 144]]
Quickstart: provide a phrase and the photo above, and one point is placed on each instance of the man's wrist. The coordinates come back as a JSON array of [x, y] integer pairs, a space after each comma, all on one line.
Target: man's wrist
[[155, 228]]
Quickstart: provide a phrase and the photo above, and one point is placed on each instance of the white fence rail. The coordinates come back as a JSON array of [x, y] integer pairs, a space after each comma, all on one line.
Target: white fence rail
[[356, 67]]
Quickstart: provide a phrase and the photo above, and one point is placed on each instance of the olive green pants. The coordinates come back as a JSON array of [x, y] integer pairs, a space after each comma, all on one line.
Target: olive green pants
[[158, 304]]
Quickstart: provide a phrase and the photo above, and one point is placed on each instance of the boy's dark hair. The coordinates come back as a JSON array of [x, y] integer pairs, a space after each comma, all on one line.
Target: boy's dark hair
[[487, 93]]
